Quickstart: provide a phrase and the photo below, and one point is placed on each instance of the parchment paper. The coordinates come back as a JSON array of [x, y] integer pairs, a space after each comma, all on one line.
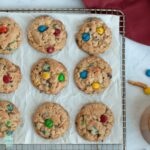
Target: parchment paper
[[27, 98]]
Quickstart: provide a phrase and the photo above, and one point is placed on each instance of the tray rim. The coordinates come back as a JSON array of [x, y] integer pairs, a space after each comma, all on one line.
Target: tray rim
[[122, 32]]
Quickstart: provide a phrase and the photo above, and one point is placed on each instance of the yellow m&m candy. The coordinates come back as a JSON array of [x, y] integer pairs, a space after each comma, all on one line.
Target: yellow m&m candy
[[95, 85], [45, 75], [147, 90], [100, 30]]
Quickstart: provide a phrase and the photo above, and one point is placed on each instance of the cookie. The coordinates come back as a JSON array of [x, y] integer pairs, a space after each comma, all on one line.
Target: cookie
[[94, 37], [47, 34], [9, 118], [10, 76], [92, 75], [49, 76], [51, 120], [94, 122], [145, 124], [10, 35]]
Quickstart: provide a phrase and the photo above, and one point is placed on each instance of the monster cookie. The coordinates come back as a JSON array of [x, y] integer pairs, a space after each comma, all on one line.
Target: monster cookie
[[10, 76], [92, 75], [49, 76], [46, 34], [10, 35], [94, 121], [9, 118], [94, 37], [51, 120]]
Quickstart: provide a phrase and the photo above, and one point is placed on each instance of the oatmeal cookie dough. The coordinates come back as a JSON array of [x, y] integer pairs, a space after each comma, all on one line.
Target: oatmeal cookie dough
[[94, 122], [51, 120], [92, 75], [47, 34], [10, 76], [94, 37], [9, 118], [49, 76], [10, 35]]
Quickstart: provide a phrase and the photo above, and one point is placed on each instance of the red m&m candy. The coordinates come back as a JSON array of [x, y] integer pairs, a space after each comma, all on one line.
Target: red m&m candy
[[3, 29], [57, 32], [103, 118], [50, 49], [7, 79]]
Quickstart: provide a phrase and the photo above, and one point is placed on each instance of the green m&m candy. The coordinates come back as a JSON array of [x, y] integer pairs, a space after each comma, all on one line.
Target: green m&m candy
[[49, 123], [94, 130], [61, 77], [8, 123]]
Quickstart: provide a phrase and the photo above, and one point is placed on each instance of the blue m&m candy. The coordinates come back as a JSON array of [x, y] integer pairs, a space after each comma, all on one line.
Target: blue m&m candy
[[83, 74], [9, 132], [42, 28], [147, 72], [10, 107], [85, 37]]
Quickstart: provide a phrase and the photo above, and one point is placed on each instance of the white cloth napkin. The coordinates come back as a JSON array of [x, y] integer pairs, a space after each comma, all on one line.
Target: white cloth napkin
[[137, 61]]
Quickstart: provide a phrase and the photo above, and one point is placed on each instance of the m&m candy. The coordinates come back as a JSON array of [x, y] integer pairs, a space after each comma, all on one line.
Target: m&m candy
[[57, 32], [103, 118], [46, 67], [100, 30], [7, 79], [94, 130], [10, 107], [95, 85], [9, 132], [45, 75], [3, 29], [147, 72], [49, 123], [85, 37], [84, 74], [8, 124], [147, 90], [42, 28], [61, 77], [50, 49]]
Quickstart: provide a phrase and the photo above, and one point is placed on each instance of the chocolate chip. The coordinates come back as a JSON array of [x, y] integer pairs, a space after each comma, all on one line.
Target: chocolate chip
[[109, 75]]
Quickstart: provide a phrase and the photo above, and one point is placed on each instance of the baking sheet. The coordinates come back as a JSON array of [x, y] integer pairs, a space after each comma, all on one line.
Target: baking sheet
[[27, 98]]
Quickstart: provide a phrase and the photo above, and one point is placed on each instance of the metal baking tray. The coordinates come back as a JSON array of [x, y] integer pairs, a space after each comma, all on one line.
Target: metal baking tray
[[82, 146]]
